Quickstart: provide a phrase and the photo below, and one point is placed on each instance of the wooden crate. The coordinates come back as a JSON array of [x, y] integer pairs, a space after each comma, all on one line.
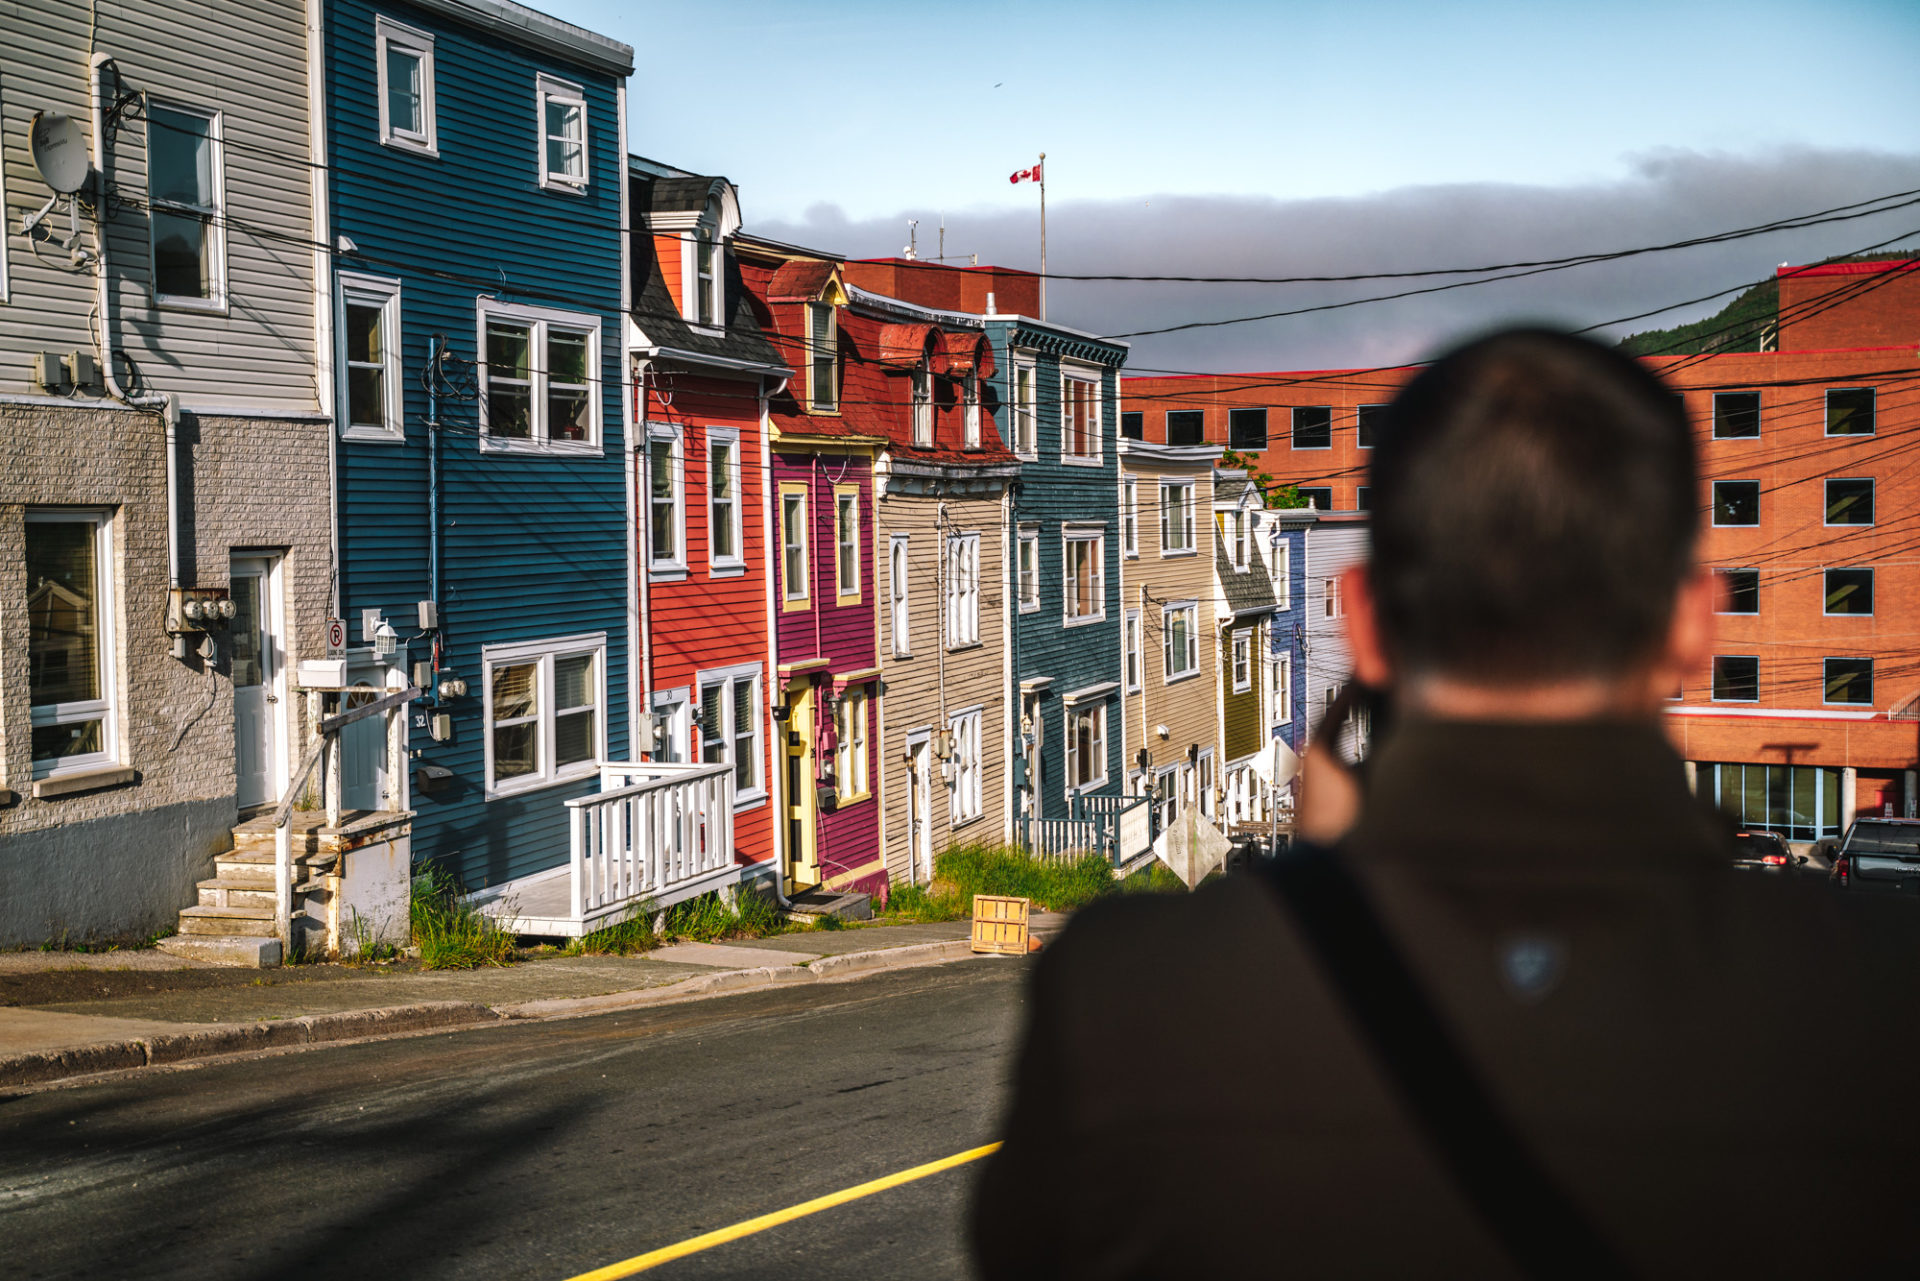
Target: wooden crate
[[1000, 924]]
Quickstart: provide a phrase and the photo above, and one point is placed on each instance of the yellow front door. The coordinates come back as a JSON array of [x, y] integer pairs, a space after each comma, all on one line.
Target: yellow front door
[[803, 849]]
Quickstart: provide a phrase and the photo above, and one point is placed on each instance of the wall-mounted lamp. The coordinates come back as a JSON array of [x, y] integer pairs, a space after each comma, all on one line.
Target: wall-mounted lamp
[[385, 639], [1162, 731]]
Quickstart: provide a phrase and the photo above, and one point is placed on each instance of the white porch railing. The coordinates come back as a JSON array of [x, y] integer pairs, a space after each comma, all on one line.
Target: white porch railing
[[1060, 840], [654, 831]]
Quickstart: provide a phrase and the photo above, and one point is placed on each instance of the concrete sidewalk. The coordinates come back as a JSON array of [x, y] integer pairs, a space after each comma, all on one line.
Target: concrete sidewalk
[[76, 1016]]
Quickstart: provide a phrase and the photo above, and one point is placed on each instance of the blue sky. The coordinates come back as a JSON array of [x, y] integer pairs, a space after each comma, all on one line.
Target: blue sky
[[876, 107]]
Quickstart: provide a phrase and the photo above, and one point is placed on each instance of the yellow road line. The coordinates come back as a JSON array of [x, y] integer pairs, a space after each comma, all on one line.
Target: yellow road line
[[747, 1227]]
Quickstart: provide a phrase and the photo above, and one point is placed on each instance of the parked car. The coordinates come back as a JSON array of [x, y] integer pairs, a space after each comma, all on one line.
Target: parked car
[[1880, 854], [1765, 852]]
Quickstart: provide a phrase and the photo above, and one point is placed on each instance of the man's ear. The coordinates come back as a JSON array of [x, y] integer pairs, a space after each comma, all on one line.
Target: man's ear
[[1689, 639], [1362, 620]]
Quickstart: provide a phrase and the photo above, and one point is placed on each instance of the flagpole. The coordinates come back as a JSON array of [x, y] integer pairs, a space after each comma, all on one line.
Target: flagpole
[[1043, 235]]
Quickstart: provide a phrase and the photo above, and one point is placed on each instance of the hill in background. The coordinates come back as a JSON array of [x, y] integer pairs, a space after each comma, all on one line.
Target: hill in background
[[1738, 326]]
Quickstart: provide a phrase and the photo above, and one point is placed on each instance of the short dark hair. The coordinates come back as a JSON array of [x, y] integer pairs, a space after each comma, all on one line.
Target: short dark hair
[[1534, 510]]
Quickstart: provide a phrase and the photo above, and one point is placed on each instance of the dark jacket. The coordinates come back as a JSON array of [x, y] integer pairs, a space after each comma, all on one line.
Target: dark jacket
[[1716, 1065]]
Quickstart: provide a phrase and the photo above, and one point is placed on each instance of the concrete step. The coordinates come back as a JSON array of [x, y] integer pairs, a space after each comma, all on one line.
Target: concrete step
[[848, 907], [247, 922], [247, 867], [250, 952], [227, 893]]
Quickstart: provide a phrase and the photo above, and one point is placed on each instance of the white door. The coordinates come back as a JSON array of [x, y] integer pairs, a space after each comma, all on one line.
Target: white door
[[919, 804], [256, 679]]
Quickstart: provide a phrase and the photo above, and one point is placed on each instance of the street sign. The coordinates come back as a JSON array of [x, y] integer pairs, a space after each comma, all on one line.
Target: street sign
[[336, 638]]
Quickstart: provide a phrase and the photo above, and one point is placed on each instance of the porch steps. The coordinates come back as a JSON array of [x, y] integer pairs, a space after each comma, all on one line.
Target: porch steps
[[812, 904]]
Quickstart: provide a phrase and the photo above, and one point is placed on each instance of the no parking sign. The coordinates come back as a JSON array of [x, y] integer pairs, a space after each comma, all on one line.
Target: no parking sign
[[336, 638]]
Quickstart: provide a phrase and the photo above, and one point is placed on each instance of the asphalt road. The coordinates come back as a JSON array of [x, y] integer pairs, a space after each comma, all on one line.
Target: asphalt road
[[536, 1151]]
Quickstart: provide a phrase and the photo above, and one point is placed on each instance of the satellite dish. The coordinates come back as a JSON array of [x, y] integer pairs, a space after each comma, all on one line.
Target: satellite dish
[[60, 151]]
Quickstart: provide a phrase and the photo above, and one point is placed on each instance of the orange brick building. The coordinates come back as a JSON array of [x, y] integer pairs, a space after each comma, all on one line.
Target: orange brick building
[[1810, 710]]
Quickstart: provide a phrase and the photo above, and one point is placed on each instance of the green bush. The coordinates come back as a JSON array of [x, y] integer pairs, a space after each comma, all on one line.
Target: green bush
[[708, 919], [631, 933], [449, 932]]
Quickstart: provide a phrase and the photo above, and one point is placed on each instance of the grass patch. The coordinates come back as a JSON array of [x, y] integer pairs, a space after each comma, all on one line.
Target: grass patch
[[710, 919], [449, 932], [961, 873], [631, 933]]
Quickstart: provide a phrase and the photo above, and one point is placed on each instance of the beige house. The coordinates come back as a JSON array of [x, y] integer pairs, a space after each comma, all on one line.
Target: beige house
[[1170, 659]]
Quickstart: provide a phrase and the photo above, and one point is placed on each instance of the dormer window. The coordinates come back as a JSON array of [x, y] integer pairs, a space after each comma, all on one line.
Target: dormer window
[[823, 358], [706, 272], [970, 398], [923, 406]]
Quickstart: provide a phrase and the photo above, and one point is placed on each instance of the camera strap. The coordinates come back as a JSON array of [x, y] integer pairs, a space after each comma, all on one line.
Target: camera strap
[[1518, 1200]]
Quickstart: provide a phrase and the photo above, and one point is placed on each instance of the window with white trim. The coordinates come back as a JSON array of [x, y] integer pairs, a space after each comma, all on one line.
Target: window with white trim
[[5, 278], [1180, 640], [1085, 578], [1280, 689], [898, 551], [1176, 516], [1026, 408], [1079, 417], [724, 530], [1087, 747], [706, 277], [1027, 570], [970, 405], [562, 111], [823, 358], [1282, 561], [1130, 516], [1330, 596], [922, 395], [370, 378], [1243, 660], [539, 378], [793, 544], [185, 213], [850, 753], [963, 795], [70, 640], [1132, 656], [403, 62], [730, 723], [963, 590], [846, 542], [1233, 531], [666, 498], [543, 702]]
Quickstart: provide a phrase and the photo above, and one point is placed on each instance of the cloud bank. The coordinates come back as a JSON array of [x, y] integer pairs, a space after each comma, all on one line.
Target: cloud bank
[[1665, 197]]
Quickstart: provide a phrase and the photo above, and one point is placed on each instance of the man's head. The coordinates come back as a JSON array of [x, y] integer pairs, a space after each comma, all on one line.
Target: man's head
[[1534, 510]]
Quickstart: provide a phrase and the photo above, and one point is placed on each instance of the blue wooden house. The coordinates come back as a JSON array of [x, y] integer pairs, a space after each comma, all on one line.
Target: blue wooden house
[[1058, 393], [476, 197]]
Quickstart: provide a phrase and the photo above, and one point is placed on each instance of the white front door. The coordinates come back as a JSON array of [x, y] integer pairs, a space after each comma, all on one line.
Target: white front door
[[256, 679], [919, 804]]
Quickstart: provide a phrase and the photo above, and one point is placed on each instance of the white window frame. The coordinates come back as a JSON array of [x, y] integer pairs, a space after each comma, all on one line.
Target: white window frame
[[726, 679], [1098, 539], [214, 214], [669, 560], [830, 351], [387, 32], [544, 654], [1096, 457], [1095, 709], [1242, 658], [963, 590], [964, 801], [539, 321], [552, 89], [1026, 409], [104, 709], [1331, 603], [1282, 554], [852, 755], [1130, 517], [899, 600], [1027, 569], [1233, 532], [6, 276], [920, 394], [1133, 657], [384, 293], [1191, 658], [1280, 700], [726, 566], [1176, 496], [970, 407]]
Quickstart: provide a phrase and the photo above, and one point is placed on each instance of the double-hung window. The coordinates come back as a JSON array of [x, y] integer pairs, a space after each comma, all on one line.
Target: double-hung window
[[1087, 747], [1330, 596], [1233, 527], [823, 358], [543, 721], [850, 753], [539, 379], [898, 603], [846, 543], [666, 499], [1180, 640], [563, 135], [706, 277], [963, 590], [1282, 553], [794, 592], [1079, 418], [730, 726], [1176, 517], [70, 640], [970, 409], [724, 530], [1026, 408], [184, 183], [1027, 570], [1132, 657], [1280, 689], [1130, 517], [403, 62], [1085, 579], [921, 391], [963, 800], [371, 382], [1243, 660]]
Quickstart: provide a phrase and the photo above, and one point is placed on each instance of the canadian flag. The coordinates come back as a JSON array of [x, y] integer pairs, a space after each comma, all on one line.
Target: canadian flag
[[1027, 175]]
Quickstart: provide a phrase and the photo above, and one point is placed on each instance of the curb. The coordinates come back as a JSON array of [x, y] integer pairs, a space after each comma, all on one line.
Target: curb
[[44, 1067]]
